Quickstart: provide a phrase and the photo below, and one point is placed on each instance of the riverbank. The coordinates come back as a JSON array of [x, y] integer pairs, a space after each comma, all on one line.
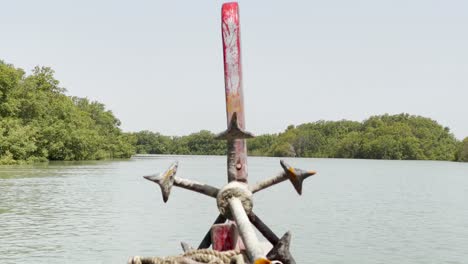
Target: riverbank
[[39, 122], [391, 137]]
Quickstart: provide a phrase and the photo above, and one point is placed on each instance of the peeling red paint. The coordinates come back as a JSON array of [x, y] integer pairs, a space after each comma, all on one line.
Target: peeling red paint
[[224, 236], [233, 83]]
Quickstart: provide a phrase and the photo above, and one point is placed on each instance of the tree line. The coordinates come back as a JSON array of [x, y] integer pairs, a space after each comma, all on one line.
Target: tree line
[[39, 122], [400, 137]]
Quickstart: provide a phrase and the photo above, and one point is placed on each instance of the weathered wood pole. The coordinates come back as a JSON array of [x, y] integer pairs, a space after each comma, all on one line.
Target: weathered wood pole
[[237, 148]]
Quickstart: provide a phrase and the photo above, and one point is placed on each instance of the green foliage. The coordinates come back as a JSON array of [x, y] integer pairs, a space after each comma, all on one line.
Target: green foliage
[[405, 136], [39, 122], [401, 136], [148, 142], [204, 143], [200, 143], [9, 79], [260, 145], [17, 141], [463, 150]]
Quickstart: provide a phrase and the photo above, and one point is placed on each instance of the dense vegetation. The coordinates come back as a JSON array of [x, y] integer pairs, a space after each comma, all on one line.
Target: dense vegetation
[[39, 122], [463, 151], [201, 143], [403, 137], [380, 137]]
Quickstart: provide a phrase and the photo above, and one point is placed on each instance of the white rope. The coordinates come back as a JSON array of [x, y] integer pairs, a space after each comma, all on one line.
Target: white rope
[[194, 257]]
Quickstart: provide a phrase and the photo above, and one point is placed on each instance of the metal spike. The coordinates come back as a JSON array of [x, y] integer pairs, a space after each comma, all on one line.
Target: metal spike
[[234, 131], [186, 247], [280, 251], [165, 180], [296, 176]]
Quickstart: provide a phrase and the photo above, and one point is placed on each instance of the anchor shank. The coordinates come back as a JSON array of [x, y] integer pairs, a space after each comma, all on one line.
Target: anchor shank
[[196, 187], [246, 230], [232, 157], [237, 148]]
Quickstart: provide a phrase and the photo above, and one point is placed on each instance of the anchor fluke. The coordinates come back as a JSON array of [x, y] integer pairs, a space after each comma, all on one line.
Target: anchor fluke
[[280, 251], [296, 176], [186, 247], [165, 180], [234, 131]]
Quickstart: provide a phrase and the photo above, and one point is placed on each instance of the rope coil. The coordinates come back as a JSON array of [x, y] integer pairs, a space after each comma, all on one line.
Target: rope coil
[[196, 256]]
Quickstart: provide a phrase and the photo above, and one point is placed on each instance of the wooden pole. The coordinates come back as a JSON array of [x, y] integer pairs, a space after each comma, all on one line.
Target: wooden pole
[[237, 148]]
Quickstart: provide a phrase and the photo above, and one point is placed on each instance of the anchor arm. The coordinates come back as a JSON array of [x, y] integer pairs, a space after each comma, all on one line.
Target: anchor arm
[[196, 187], [295, 175], [281, 177], [168, 179], [263, 228]]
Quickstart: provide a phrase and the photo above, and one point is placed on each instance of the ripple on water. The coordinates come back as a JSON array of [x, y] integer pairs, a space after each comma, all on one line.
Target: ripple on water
[[353, 211]]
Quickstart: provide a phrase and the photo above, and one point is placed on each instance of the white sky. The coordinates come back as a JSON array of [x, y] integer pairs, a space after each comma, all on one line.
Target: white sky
[[158, 64]]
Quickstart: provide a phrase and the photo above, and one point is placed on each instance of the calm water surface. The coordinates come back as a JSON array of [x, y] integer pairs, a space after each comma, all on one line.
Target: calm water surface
[[353, 211]]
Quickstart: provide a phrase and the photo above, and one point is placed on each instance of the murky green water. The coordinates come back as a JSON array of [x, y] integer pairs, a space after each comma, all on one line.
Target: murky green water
[[353, 211]]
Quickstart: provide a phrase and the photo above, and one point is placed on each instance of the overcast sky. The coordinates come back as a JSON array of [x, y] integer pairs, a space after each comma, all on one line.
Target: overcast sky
[[158, 64]]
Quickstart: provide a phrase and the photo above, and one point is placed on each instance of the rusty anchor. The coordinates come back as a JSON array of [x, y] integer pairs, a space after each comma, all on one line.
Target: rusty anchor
[[234, 200]]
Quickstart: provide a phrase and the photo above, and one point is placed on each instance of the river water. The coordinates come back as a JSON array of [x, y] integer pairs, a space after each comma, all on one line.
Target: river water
[[352, 211]]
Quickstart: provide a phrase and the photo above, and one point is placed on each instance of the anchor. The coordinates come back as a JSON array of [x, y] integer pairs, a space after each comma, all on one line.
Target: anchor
[[234, 200]]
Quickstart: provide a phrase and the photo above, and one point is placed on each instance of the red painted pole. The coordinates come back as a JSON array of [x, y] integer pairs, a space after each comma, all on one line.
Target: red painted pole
[[237, 148]]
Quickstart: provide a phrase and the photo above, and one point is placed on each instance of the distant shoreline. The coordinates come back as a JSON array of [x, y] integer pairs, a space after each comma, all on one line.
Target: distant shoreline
[[39, 122], [388, 137]]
